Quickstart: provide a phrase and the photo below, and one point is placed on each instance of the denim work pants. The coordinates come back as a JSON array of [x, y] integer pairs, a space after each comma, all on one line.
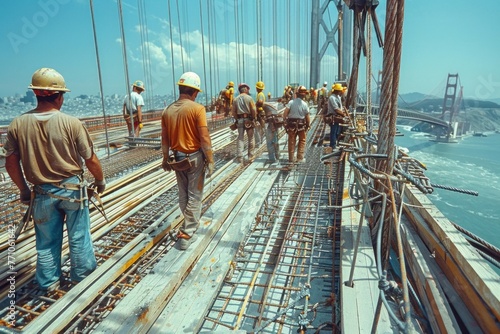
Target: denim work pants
[[334, 134], [241, 136], [190, 184], [49, 214], [273, 148]]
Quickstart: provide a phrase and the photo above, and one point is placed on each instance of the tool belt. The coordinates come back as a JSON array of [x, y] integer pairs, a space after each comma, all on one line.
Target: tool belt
[[243, 115], [181, 161], [295, 125], [277, 120], [328, 119]]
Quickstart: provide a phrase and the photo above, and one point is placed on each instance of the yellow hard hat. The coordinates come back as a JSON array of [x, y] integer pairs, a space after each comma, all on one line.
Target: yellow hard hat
[[230, 84], [190, 79], [47, 81], [337, 86], [260, 85]]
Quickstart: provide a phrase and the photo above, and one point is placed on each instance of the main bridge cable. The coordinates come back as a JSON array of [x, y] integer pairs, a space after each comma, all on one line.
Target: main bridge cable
[[99, 72]]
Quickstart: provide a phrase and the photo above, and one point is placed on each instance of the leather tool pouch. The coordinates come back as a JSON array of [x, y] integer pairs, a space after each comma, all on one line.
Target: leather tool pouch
[[233, 126], [180, 166], [328, 119], [278, 121], [249, 124]]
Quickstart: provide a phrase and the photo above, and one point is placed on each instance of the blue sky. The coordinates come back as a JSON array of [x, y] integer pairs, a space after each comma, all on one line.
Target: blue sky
[[439, 37]]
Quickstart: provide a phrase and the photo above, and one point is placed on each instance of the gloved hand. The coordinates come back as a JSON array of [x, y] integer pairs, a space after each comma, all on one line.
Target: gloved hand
[[25, 196], [210, 168], [140, 125], [99, 186], [166, 167]]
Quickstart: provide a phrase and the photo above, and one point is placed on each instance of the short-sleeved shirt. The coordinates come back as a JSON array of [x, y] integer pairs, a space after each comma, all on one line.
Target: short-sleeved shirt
[[334, 102], [51, 145], [298, 108], [243, 104], [260, 97], [135, 101], [182, 119]]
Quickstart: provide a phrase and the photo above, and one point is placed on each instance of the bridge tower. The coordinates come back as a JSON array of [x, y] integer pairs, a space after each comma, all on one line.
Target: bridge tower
[[450, 103], [343, 29]]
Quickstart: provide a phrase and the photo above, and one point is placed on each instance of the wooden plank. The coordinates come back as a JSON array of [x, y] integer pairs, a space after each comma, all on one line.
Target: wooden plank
[[436, 305], [65, 309], [358, 303], [141, 307], [187, 309], [471, 276]]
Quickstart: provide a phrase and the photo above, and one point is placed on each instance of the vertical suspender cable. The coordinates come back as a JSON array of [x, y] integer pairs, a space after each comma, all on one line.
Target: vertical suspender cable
[[236, 23], [125, 63], [242, 42], [299, 33], [368, 62], [100, 77], [260, 73], [172, 51], [144, 50], [203, 51], [209, 34], [275, 48], [180, 35], [288, 28]]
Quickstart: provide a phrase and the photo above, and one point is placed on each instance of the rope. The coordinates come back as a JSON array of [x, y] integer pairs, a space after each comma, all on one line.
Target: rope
[[458, 190], [203, 51]]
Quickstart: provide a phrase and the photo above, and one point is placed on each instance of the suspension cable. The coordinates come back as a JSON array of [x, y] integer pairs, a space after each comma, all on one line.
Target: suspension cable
[[172, 51], [125, 63], [180, 35], [203, 51], [100, 76]]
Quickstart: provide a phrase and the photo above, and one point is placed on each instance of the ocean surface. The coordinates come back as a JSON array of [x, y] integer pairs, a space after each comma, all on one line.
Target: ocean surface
[[473, 164]]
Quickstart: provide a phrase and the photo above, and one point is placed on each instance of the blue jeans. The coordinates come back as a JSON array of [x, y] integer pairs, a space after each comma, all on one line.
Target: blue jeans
[[272, 142], [334, 134], [49, 215]]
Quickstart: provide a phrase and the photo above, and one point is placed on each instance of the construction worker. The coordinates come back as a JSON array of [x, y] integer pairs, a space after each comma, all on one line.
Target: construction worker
[[297, 122], [322, 97], [313, 95], [260, 99], [274, 123], [268, 96], [52, 146], [245, 114], [184, 131], [336, 112], [228, 98], [132, 109]]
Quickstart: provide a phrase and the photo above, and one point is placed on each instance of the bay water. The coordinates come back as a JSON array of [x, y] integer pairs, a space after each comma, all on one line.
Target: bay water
[[472, 164]]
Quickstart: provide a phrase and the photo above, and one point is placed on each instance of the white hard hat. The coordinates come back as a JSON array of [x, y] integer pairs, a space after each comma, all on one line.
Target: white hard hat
[[325, 83], [190, 79]]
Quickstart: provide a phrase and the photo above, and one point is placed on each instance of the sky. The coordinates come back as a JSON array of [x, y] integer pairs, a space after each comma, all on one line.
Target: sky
[[225, 40]]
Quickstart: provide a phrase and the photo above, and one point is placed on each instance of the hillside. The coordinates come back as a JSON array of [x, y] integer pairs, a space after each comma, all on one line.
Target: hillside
[[481, 119]]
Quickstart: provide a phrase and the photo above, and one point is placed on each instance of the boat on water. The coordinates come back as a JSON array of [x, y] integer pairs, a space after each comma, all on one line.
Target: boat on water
[[346, 242]]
